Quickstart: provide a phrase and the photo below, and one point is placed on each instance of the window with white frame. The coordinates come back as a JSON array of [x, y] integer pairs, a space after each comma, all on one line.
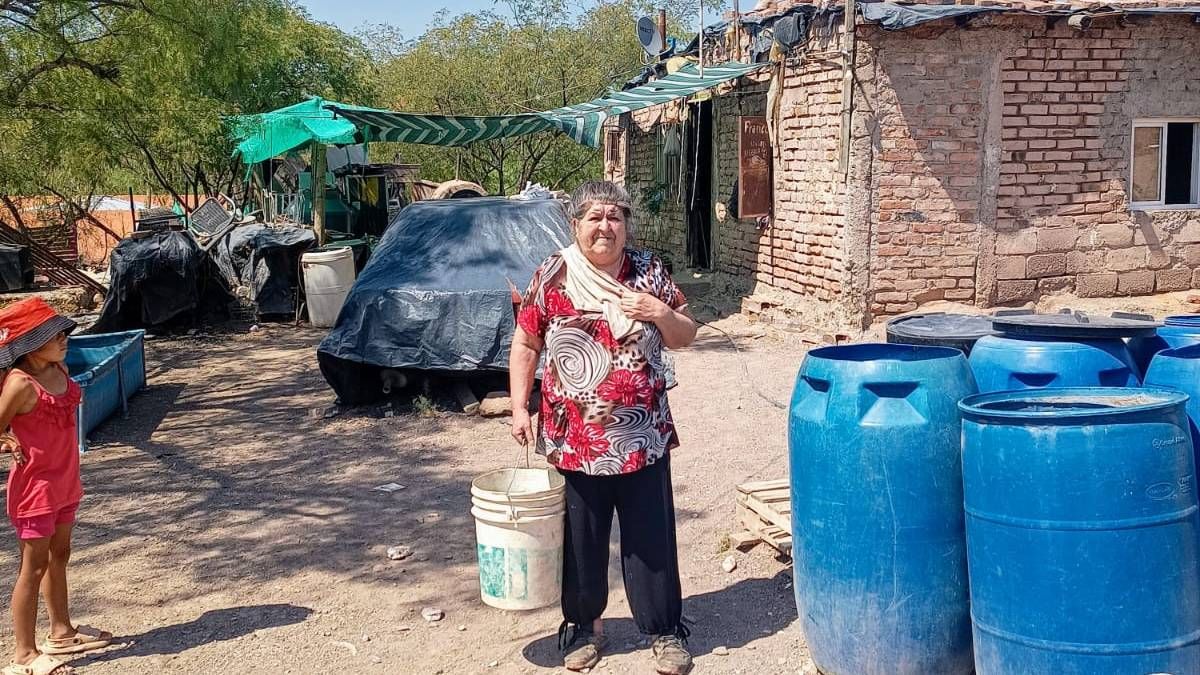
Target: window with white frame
[[1166, 164]]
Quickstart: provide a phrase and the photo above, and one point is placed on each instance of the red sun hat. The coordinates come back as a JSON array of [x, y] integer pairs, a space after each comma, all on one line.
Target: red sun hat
[[27, 325]]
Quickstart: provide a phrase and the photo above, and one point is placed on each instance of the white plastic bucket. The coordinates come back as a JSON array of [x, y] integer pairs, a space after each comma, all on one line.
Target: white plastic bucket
[[328, 276], [527, 487], [519, 519]]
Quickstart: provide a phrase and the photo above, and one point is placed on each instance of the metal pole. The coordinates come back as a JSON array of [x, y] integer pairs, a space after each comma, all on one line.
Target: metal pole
[[701, 40]]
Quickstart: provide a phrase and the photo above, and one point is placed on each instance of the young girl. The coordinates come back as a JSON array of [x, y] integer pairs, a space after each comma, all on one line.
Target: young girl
[[38, 403]]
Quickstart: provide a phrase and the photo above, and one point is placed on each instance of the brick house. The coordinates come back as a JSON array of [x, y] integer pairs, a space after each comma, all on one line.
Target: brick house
[[996, 152]]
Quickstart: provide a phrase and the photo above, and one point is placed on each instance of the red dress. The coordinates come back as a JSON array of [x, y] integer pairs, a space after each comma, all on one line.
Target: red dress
[[604, 401], [49, 478]]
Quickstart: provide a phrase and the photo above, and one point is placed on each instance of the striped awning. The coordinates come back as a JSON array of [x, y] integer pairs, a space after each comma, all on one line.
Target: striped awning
[[582, 123]]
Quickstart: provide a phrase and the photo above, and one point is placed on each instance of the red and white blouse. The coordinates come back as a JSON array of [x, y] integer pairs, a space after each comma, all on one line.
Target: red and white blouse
[[604, 401]]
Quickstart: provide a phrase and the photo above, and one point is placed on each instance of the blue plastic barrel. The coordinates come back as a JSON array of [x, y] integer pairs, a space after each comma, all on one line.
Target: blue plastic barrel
[[1082, 532], [877, 520], [1003, 363], [1176, 332], [1180, 369]]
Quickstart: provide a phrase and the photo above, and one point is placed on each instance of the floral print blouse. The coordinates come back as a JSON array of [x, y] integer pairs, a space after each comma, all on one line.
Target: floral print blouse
[[604, 401]]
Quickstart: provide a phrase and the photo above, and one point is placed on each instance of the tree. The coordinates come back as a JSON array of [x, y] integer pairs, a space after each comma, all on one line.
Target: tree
[[544, 54], [99, 95], [102, 94]]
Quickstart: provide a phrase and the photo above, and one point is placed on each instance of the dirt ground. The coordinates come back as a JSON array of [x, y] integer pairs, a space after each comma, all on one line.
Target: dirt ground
[[229, 527]]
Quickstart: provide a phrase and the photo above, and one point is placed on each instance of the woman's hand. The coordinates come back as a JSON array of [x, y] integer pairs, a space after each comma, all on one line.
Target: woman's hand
[[522, 426], [9, 444], [643, 306]]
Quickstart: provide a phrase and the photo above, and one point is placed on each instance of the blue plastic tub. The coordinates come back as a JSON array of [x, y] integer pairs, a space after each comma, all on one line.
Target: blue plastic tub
[[110, 368], [877, 519], [1082, 532]]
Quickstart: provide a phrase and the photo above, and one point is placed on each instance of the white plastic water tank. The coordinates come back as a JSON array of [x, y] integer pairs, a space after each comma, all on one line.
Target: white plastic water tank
[[328, 276]]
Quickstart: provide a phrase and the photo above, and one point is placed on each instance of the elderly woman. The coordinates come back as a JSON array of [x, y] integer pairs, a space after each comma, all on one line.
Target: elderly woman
[[603, 313]]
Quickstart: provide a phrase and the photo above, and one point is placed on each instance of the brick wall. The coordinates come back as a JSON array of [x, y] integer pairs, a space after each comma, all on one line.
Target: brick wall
[[808, 230], [803, 252], [736, 242], [817, 241], [1063, 221], [927, 102], [1001, 161], [989, 165], [664, 231]]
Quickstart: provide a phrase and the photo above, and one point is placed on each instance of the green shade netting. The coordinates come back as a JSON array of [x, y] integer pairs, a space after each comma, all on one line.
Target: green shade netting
[[266, 135], [583, 122]]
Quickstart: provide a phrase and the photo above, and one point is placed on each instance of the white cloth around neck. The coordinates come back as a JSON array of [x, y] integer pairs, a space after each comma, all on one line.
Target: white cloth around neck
[[593, 290]]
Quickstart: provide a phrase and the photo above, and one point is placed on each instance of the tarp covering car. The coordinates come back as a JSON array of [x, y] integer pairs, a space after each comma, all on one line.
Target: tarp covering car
[[435, 294]]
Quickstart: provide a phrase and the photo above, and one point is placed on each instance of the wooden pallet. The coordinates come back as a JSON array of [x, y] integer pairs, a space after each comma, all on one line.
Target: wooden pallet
[[764, 512]]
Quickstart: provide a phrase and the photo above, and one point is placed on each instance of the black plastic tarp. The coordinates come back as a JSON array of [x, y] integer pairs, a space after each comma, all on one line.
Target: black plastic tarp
[[16, 268], [435, 294], [266, 260], [892, 16], [161, 281]]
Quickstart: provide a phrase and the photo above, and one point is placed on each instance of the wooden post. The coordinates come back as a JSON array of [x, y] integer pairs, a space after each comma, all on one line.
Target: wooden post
[[701, 41], [317, 169], [662, 30], [849, 48], [737, 31]]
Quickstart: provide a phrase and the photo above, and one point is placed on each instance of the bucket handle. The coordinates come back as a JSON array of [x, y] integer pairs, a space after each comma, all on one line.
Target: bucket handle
[[512, 508]]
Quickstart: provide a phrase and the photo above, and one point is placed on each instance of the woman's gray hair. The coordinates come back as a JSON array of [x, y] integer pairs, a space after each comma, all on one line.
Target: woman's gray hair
[[600, 192]]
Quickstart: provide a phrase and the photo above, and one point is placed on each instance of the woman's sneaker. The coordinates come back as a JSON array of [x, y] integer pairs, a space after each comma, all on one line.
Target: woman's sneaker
[[580, 646], [671, 656]]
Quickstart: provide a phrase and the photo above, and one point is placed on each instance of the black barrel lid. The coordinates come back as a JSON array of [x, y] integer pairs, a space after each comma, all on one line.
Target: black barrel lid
[[941, 326], [1073, 324]]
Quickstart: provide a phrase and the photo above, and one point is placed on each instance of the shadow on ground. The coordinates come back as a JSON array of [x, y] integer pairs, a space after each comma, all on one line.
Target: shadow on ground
[[224, 474], [712, 623], [214, 626]]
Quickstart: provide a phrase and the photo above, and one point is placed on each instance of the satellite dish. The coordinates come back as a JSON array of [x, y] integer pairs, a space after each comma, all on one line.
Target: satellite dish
[[649, 36]]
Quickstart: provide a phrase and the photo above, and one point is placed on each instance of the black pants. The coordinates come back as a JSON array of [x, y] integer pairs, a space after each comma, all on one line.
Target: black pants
[[646, 510]]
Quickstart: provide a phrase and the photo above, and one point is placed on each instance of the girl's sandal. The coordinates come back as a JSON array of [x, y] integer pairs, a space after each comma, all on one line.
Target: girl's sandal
[[42, 665], [85, 639]]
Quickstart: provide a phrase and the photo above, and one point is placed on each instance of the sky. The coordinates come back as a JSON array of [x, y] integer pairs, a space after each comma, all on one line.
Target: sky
[[410, 16]]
